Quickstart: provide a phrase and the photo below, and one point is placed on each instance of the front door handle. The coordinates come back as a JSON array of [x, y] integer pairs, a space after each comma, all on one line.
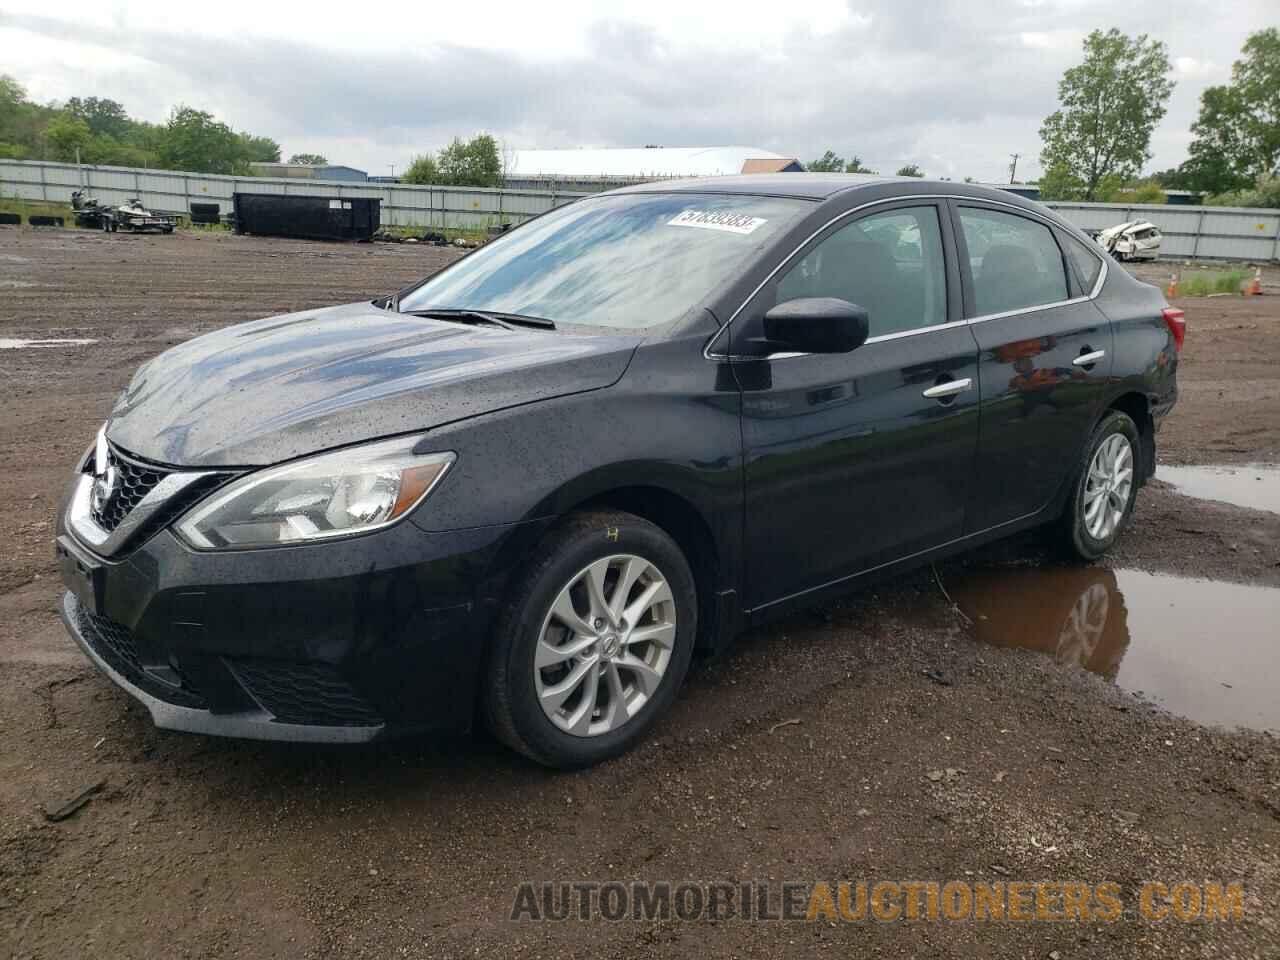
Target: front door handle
[[949, 389], [1089, 359]]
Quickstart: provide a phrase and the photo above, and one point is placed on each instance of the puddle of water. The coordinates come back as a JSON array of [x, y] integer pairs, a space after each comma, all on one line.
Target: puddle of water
[[1199, 648], [1255, 485], [11, 344]]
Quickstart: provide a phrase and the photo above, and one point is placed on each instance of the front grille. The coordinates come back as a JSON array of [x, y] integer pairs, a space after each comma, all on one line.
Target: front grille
[[310, 693], [133, 481], [117, 645]]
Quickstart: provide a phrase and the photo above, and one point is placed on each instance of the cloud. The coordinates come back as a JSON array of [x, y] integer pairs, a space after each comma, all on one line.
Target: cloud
[[953, 85]]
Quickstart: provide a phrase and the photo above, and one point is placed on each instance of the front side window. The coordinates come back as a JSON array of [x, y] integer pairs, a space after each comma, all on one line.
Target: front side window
[[890, 264], [630, 261], [1014, 261]]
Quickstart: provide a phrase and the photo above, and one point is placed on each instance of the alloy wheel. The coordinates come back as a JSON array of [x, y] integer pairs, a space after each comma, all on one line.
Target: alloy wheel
[[1107, 487], [604, 645]]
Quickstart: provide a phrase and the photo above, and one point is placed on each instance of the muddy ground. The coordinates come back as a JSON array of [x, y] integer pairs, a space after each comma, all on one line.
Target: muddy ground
[[919, 753]]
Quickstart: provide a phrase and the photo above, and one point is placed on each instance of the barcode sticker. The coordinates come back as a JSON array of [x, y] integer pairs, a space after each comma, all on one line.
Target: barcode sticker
[[717, 220]]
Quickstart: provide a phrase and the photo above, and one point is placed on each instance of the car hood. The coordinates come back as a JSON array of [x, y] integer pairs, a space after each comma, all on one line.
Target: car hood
[[273, 389]]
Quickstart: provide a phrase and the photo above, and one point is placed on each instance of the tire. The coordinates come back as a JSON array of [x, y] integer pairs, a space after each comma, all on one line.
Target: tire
[[1081, 534], [523, 703]]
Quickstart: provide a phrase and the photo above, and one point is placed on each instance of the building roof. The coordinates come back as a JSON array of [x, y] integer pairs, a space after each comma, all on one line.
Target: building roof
[[636, 162], [281, 166], [771, 165]]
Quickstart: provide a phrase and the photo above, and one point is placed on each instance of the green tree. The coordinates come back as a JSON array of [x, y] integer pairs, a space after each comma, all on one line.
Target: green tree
[[1237, 134], [13, 98], [1110, 104], [106, 118], [1264, 193], [312, 159], [910, 170], [1145, 191], [1059, 182], [21, 121], [473, 163], [855, 166], [423, 170], [1175, 178], [67, 134], [827, 163], [194, 140], [260, 149]]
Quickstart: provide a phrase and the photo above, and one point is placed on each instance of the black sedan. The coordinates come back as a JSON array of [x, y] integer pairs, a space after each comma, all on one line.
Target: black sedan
[[531, 487]]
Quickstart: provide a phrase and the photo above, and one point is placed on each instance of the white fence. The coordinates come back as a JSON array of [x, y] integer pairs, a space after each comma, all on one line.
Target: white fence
[[174, 192], [1220, 233]]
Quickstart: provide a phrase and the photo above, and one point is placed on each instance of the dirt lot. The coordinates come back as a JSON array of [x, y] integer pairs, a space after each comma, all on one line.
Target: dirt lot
[[919, 754]]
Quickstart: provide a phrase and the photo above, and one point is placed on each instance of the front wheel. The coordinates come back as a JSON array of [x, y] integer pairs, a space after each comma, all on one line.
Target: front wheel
[[594, 643], [1104, 490]]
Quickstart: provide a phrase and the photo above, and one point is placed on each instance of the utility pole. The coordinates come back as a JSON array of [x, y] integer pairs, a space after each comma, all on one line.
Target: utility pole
[[393, 170], [1013, 167]]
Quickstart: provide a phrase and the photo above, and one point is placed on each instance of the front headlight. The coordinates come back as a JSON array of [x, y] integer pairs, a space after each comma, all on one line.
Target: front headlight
[[332, 495]]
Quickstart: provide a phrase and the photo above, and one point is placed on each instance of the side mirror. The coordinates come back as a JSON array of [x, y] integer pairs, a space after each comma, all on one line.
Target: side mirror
[[816, 325]]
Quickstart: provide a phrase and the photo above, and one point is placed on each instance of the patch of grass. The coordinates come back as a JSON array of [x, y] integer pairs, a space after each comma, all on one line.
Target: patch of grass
[[1204, 284], [37, 208], [184, 223]]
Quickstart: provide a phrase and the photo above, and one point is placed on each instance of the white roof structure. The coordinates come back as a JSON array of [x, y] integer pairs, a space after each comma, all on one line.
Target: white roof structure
[[634, 162]]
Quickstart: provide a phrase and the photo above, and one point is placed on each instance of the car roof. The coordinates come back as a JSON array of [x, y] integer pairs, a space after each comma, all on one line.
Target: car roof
[[809, 186], [824, 186]]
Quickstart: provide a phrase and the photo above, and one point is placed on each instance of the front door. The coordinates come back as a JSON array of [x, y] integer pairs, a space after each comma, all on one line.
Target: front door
[[854, 460], [1044, 361]]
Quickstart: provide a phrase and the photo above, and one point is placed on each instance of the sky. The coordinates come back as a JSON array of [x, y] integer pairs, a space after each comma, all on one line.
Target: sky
[[955, 86]]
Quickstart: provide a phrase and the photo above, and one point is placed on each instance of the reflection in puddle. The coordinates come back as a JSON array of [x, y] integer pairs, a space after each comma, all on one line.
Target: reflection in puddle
[[1203, 649], [12, 344], [1255, 485]]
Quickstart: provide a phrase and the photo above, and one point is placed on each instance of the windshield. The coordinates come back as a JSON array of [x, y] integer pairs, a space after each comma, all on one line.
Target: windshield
[[631, 261]]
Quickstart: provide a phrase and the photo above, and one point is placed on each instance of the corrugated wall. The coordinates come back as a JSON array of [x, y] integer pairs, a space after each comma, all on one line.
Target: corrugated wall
[[1223, 233], [163, 190], [1193, 233]]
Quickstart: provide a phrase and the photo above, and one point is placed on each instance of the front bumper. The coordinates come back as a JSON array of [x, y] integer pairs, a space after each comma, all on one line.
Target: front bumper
[[249, 723], [345, 641]]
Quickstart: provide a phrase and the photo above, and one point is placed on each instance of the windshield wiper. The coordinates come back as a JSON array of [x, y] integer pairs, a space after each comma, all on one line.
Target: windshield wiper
[[508, 321], [463, 316]]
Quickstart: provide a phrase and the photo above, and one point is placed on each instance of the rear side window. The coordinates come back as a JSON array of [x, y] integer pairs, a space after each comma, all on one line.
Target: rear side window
[[1014, 261], [1084, 261], [890, 264]]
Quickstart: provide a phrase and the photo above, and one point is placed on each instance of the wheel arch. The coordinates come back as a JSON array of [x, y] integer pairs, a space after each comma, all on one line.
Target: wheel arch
[[677, 506], [1138, 408], [684, 523]]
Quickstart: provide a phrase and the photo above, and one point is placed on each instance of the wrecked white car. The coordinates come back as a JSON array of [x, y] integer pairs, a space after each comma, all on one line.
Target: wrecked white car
[[1132, 240]]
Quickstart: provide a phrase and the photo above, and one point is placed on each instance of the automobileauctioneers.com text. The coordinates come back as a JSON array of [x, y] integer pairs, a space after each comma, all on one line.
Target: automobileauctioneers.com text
[[885, 901]]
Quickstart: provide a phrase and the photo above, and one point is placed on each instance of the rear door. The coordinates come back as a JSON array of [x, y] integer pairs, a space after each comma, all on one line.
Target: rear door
[[1045, 355], [857, 459]]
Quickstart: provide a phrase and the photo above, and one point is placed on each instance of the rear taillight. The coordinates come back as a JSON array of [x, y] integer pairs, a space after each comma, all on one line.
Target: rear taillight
[[1177, 323]]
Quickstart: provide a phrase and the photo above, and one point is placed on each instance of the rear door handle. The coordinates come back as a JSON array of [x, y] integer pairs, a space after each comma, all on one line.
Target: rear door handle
[[948, 389], [1089, 359]]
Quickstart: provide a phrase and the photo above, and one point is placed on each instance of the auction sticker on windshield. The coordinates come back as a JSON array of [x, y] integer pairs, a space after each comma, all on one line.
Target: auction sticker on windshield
[[716, 220]]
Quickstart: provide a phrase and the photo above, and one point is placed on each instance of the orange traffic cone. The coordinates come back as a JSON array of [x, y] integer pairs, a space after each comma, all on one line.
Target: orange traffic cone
[[1172, 290], [1255, 285]]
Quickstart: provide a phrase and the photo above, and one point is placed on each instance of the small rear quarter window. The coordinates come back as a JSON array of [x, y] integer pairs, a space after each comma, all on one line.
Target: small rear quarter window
[[1084, 262]]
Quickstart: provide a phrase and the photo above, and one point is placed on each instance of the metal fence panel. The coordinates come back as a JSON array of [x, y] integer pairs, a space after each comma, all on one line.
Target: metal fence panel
[[1201, 233], [1190, 232]]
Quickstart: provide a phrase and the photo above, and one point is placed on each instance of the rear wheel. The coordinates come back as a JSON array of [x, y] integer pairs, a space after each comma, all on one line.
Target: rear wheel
[[1105, 488], [594, 643]]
